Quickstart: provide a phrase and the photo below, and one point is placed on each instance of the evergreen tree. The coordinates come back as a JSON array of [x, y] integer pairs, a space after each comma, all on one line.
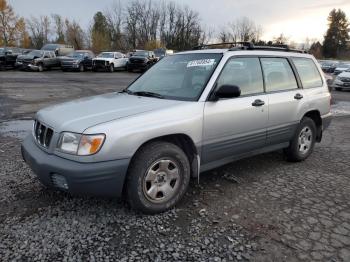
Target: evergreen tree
[[99, 35], [337, 34]]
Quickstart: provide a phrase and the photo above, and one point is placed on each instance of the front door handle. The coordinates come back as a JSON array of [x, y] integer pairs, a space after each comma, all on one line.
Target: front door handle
[[298, 96], [258, 102]]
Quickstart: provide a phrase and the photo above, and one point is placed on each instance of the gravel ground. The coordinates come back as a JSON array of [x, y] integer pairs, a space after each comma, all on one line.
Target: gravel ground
[[258, 209], [267, 211]]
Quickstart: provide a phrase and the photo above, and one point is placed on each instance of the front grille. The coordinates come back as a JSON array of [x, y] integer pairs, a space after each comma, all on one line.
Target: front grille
[[42, 134], [137, 61], [99, 62], [345, 79]]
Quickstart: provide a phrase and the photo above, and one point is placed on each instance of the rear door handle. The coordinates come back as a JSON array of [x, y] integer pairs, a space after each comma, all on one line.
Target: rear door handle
[[298, 96], [258, 102]]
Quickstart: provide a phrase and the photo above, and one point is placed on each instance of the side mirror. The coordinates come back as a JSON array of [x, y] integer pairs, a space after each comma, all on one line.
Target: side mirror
[[226, 91]]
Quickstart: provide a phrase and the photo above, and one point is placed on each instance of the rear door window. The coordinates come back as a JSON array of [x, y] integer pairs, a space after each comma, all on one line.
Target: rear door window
[[309, 75], [278, 74]]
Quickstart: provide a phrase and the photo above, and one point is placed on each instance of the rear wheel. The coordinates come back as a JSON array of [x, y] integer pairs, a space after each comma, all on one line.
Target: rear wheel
[[158, 177], [303, 142]]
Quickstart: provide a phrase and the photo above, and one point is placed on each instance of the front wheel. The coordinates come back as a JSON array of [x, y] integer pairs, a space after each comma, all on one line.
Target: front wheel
[[40, 67], [111, 68], [158, 177], [81, 68], [303, 142]]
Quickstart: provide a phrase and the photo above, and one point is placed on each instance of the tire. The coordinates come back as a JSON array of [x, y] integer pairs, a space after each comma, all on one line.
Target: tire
[[40, 67], [81, 68], [111, 68], [303, 142], [338, 89], [165, 168]]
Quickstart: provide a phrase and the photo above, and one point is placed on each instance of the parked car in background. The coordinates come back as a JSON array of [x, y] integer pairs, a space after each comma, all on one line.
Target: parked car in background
[[328, 66], [162, 52], [59, 49], [141, 60], [342, 81], [8, 56], [341, 67], [79, 60], [38, 60], [109, 61]]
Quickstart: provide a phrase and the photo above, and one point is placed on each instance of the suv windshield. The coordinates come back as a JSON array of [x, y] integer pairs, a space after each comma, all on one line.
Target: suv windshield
[[106, 55], [178, 77], [36, 53], [140, 53], [76, 54]]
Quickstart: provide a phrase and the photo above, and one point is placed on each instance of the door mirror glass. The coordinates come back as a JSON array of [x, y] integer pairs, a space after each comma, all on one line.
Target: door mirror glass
[[227, 91]]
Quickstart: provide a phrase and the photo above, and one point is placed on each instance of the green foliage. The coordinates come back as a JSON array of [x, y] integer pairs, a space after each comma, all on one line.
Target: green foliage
[[337, 35]]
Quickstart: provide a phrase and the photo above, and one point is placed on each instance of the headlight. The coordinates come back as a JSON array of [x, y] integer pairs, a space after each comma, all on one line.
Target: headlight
[[82, 145]]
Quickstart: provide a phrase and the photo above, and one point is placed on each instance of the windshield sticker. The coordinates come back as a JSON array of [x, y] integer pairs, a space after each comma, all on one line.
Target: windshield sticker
[[201, 62]]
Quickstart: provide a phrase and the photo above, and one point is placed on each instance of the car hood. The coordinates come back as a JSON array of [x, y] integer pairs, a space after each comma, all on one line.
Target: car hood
[[78, 115], [342, 68], [26, 57], [344, 74], [69, 59]]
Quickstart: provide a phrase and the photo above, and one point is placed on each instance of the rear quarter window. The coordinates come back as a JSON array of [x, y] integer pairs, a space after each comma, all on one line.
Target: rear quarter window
[[309, 75]]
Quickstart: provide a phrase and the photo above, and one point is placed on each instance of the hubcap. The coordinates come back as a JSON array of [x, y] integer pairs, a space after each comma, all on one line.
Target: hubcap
[[305, 140], [161, 181]]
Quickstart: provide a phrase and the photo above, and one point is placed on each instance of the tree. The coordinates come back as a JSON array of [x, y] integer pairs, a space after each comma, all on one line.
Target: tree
[[316, 49], [74, 34], [99, 34], [337, 34], [8, 22], [245, 30], [280, 40], [23, 39], [114, 17], [39, 30], [59, 28]]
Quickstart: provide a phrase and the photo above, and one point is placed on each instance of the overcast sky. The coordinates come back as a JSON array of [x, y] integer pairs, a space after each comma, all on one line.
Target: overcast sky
[[297, 19]]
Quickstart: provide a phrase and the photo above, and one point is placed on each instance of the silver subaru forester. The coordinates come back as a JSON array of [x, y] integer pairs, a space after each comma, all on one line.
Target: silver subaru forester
[[189, 113]]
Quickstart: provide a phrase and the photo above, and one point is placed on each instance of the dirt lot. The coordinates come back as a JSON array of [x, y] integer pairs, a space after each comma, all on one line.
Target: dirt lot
[[258, 209]]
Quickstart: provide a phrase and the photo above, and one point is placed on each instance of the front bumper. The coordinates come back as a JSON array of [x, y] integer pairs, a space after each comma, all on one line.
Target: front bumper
[[138, 66], [70, 66], [342, 85], [99, 179]]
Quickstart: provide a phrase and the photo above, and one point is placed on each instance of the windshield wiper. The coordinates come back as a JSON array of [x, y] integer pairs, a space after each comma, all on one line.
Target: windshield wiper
[[145, 93]]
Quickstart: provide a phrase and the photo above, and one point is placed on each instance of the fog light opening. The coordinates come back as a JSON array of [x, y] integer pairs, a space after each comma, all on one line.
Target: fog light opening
[[59, 181]]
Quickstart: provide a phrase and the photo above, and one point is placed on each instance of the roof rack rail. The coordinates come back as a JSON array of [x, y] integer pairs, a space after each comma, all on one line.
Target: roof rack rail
[[235, 46], [228, 45]]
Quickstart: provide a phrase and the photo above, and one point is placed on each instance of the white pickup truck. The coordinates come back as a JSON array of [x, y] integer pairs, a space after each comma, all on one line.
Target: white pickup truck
[[109, 61]]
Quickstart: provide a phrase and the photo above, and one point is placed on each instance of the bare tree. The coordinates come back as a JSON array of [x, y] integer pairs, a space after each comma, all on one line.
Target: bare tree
[[224, 35], [74, 34], [59, 28], [114, 16], [39, 30], [244, 29], [280, 40]]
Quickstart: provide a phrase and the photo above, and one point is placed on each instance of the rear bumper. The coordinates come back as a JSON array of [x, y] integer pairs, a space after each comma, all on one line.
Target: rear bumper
[[98, 179]]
